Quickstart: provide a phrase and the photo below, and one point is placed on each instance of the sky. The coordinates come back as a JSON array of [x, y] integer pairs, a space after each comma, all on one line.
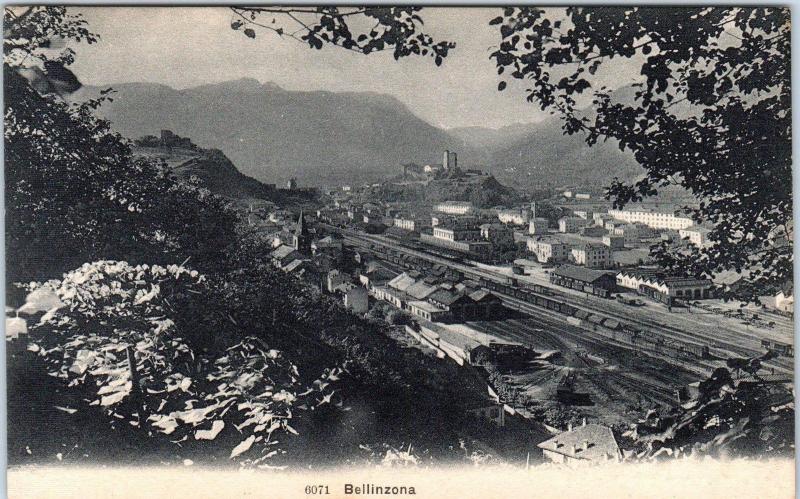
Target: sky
[[190, 46]]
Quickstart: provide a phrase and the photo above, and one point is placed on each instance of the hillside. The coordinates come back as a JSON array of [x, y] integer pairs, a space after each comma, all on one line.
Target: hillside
[[538, 155], [329, 138], [217, 173], [483, 192], [272, 134]]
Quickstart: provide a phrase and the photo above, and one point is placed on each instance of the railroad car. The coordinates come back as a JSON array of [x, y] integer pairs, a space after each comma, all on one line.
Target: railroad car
[[700, 351], [568, 309], [779, 347]]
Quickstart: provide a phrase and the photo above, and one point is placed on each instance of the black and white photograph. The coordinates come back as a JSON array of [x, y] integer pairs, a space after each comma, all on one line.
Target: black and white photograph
[[320, 250]]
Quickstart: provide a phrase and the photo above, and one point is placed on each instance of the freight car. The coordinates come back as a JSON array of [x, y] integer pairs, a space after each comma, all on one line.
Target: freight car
[[778, 347]]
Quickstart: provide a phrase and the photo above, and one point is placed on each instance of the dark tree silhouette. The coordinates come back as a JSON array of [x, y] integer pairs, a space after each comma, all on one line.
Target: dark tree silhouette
[[360, 29], [712, 115]]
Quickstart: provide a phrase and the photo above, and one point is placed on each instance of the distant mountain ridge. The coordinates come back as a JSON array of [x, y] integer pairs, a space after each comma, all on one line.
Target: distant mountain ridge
[[333, 138]]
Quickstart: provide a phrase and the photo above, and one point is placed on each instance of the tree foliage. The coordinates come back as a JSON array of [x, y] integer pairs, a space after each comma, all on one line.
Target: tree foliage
[[361, 29], [710, 112]]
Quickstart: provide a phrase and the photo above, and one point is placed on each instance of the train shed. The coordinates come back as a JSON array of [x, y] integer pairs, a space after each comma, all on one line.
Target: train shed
[[596, 282]]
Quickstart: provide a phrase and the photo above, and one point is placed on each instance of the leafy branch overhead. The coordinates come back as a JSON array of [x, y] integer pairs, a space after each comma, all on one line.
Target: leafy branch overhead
[[710, 112], [360, 29]]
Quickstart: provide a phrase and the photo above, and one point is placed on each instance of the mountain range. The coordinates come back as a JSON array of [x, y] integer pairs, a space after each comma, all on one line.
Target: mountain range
[[334, 138]]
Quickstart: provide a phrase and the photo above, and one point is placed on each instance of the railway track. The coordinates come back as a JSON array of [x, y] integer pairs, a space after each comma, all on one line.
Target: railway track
[[556, 335], [647, 325]]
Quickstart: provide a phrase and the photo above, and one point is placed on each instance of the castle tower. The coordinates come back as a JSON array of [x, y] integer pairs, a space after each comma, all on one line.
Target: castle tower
[[446, 160], [301, 240]]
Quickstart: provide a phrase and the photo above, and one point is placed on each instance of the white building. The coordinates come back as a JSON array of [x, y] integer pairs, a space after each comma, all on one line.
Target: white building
[[571, 224], [405, 223], [514, 216], [454, 207], [549, 250], [653, 218], [593, 256], [784, 301], [655, 283], [456, 234], [584, 445]]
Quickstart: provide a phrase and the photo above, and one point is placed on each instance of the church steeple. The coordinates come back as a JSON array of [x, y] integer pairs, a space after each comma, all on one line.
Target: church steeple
[[301, 239]]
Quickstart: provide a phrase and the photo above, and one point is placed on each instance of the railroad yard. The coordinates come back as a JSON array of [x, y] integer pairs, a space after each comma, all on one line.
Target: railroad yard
[[638, 362]]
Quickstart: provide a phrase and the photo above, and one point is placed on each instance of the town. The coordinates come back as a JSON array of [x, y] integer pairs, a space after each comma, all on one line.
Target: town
[[518, 242], [564, 314]]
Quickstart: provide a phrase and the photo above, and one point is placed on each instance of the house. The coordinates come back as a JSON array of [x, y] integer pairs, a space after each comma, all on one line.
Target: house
[[586, 444], [474, 248], [377, 276], [497, 234], [538, 226], [405, 223], [590, 281], [283, 255], [517, 216], [549, 250], [454, 207], [664, 218], [614, 242], [334, 279], [297, 266], [457, 233], [784, 300], [327, 244], [354, 297], [594, 256], [427, 311], [402, 282], [420, 290], [633, 233], [571, 224], [488, 411]]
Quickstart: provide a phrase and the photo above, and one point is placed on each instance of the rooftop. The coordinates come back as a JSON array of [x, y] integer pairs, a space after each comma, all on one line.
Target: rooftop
[[580, 273], [423, 305], [592, 442], [283, 251]]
